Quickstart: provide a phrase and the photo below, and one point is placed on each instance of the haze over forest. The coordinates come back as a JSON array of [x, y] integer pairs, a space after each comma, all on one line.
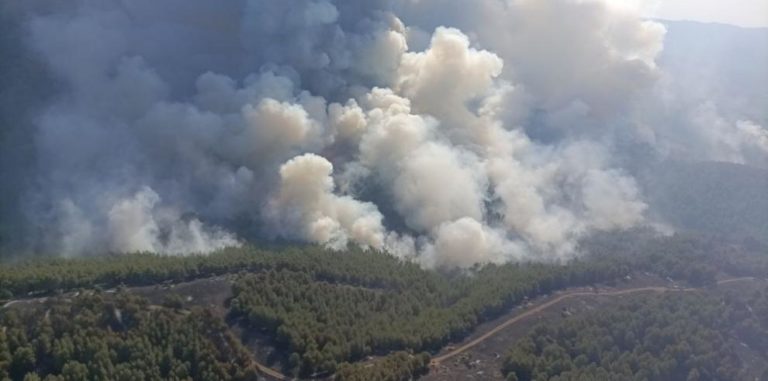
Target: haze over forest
[[445, 132], [381, 190]]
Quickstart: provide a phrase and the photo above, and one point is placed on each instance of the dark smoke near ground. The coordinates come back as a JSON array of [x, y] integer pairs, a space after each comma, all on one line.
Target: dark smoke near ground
[[450, 132]]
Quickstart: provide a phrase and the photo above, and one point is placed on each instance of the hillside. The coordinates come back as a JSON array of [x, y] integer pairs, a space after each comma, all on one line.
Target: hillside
[[723, 198], [302, 311]]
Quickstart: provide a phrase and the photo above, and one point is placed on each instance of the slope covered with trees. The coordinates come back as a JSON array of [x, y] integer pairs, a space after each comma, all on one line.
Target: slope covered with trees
[[678, 256], [710, 197], [325, 311], [399, 366], [683, 336], [695, 258], [119, 338], [45, 275], [327, 307], [322, 322]]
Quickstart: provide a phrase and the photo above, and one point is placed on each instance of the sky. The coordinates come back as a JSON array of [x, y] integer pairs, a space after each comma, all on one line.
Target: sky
[[745, 13]]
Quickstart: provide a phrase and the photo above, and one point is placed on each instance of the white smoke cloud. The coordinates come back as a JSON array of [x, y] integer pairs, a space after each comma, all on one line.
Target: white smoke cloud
[[442, 172], [596, 53], [445, 132], [438, 184], [441, 79], [131, 224], [137, 224], [737, 141], [306, 204], [467, 242], [754, 134], [274, 127]]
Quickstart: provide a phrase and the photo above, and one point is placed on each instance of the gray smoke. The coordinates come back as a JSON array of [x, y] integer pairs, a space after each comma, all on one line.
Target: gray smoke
[[446, 132]]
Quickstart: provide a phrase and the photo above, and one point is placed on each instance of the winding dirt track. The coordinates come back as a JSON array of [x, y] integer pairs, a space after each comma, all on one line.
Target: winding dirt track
[[437, 360], [271, 372]]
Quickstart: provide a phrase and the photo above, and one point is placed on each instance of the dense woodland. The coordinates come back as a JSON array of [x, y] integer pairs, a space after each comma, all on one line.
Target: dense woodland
[[694, 258], [324, 311], [679, 256], [672, 337], [40, 276], [120, 338], [323, 322], [399, 366], [713, 197]]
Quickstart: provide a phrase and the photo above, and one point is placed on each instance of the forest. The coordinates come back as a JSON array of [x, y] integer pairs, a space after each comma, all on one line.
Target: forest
[[681, 336], [323, 322], [320, 322], [356, 315], [45, 275], [688, 256], [395, 367], [383, 190], [120, 338]]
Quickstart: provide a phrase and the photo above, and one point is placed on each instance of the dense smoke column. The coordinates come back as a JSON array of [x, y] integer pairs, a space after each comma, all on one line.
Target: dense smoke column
[[25, 87], [179, 112], [444, 132]]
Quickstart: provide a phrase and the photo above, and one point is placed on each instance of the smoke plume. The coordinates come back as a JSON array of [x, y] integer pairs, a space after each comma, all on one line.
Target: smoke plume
[[445, 132]]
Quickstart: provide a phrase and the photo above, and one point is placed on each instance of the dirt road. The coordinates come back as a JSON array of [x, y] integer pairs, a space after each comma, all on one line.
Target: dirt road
[[533, 311], [271, 372], [437, 360]]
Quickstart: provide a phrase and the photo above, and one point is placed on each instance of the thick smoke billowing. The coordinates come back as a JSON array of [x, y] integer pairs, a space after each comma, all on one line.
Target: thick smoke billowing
[[447, 132]]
